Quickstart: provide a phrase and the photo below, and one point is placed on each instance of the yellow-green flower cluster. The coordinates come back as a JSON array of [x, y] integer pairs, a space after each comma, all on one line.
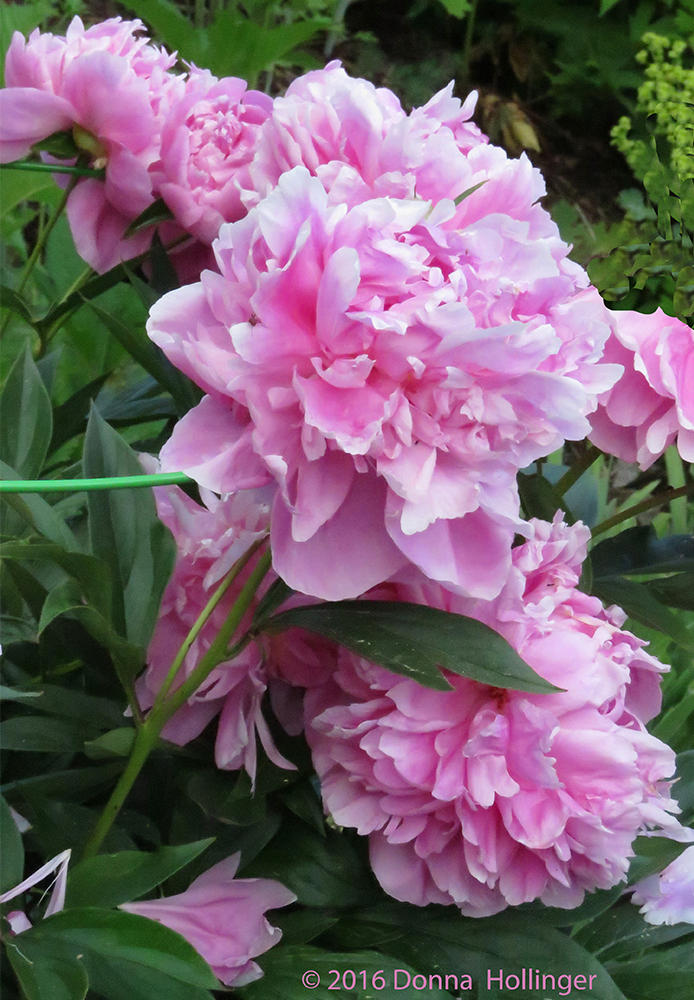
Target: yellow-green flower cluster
[[667, 97]]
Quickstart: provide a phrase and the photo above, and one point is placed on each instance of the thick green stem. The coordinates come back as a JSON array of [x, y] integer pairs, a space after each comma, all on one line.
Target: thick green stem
[[572, 475], [655, 500], [147, 735], [145, 741]]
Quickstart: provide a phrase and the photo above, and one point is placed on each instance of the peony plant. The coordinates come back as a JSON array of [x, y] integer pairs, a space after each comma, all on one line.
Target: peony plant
[[355, 585]]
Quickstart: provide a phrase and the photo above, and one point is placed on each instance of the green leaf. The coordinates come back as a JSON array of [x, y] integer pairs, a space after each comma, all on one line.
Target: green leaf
[[35, 512], [40, 734], [243, 48], [110, 879], [115, 743], [61, 145], [322, 870], [26, 418], [127, 534], [149, 356], [457, 8], [435, 939], [47, 972], [416, 641], [639, 603], [91, 573], [66, 599], [157, 212], [70, 417], [658, 974], [11, 694], [12, 853], [127, 957], [677, 591], [639, 551], [652, 855], [538, 496], [344, 972], [9, 299]]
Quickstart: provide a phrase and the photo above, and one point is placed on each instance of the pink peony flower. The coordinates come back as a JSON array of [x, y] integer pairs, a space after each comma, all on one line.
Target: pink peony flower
[[668, 898], [391, 366], [357, 138], [58, 83], [208, 140], [223, 918], [652, 405], [210, 540], [486, 797]]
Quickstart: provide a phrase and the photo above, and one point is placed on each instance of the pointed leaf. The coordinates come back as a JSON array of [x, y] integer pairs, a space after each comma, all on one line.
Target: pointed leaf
[[26, 418], [416, 641], [12, 853]]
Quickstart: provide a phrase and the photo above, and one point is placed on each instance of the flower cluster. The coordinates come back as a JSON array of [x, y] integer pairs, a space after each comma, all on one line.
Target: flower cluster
[[181, 137], [390, 329], [486, 797]]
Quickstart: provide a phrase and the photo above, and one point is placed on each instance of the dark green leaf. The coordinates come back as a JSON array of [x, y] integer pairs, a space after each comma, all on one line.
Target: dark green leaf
[[416, 641], [283, 969], [274, 596], [126, 533], [47, 971], [70, 418], [652, 855], [11, 694], [111, 879], [639, 551], [435, 939], [35, 512], [157, 212], [538, 496], [12, 853], [115, 743], [60, 144], [677, 590], [26, 418], [683, 789], [9, 299], [244, 48], [149, 356], [640, 604], [322, 871], [658, 975], [117, 946], [91, 573], [76, 784], [38, 733]]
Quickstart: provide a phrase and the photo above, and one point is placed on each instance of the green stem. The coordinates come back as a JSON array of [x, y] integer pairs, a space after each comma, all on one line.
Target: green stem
[[54, 168], [106, 483], [572, 475], [217, 651], [202, 620], [147, 735], [39, 245], [145, 741], [655, 500]]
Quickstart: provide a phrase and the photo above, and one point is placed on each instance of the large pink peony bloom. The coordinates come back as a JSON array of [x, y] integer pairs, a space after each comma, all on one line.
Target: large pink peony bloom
[[223, 918], [652, 405], [391, 365], [209, 541], [208, 140], [486, 797], [668, 898], [111, 87]]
